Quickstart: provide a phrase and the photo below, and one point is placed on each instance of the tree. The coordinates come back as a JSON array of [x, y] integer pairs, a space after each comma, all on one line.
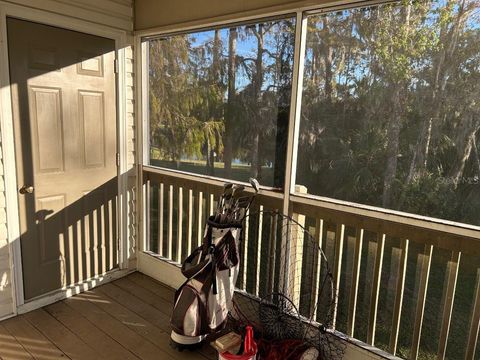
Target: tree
[[231, 95]]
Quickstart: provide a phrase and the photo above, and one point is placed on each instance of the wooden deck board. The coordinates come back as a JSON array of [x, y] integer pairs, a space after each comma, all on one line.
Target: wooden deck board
[[144, 326], [103, 344], [32, 340], [147, 296], [61, 336], [10, 348], [87, 305], [155, 294], [126, 319], [154, 286]]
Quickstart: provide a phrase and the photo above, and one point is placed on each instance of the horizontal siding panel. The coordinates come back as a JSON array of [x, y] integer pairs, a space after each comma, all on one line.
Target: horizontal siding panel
[[5, 309], [3, 234], [129, 66], [129, 52], [3, 216], [132, 211], [129, 80], [130, 106], [6, 301], [129, 91], [5, 304], [130, 119]]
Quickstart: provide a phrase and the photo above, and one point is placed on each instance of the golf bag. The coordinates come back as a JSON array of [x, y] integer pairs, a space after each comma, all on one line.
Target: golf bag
[[202, 303]]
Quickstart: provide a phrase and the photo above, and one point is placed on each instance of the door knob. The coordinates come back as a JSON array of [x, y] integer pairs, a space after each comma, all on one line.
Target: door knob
[[26, 189]]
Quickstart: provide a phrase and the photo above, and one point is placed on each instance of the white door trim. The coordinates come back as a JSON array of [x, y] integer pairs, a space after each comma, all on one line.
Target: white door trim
[[8, 144]]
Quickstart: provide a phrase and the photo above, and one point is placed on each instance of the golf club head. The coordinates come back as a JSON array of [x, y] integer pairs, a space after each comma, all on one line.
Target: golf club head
[[227, 196], [255, 184], [228, 191], [237, 189]]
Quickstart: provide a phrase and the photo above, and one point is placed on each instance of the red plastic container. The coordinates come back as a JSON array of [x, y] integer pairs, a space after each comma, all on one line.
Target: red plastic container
[[249, 349]]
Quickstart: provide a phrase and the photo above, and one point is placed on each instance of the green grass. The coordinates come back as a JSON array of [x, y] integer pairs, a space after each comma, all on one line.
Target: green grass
[[240, 172]]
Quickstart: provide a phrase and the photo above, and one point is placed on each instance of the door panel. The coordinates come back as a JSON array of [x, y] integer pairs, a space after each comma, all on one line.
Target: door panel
[[63, 101], [92, 119], [47, 124]]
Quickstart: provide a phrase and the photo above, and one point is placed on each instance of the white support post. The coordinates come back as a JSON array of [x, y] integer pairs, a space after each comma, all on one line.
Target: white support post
[[293, 133], [141, 49]]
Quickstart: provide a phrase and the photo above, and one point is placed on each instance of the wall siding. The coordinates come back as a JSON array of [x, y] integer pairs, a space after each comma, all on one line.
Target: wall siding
[[6, 300], [116, 14], [131, 158]]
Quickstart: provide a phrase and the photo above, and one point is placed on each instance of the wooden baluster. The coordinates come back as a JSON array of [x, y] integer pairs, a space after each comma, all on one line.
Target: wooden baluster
[[147, 214], [337, 268], [245, 250], [352, 309], [377, 277], [449, 296], [259, 250], [211, 205], [475, 323], [318, 268], [170, 223], [426, 260], [160, 219], [397, 309], [180, 225], [272, 248], [200, 219], [189, 221]]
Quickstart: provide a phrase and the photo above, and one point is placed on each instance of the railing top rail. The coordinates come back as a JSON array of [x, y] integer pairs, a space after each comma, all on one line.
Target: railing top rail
[[440, 233], [209, 184], [444, 234]]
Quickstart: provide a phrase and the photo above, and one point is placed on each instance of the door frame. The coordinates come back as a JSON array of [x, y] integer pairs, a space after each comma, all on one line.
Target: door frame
[[121, 39]]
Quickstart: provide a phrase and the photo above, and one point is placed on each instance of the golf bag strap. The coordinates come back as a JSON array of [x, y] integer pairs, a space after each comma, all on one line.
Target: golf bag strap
[[214, 269], [211, 251], [209, 236]]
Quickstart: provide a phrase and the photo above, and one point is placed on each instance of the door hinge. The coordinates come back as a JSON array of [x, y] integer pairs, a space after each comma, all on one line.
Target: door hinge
[[118, 159], [115, 66]]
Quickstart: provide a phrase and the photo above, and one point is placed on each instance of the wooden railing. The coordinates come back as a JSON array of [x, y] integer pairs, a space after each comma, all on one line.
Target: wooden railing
[[391, 270]]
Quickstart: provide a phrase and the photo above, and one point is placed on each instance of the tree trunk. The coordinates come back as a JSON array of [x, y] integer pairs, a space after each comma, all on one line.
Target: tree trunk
[[418, 165], [441, 68], [394, 126], [476, 155], [328, 58], [228, 140], [464, 144], [255, 156], [393, 132], [217, 54], [210, 160]]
